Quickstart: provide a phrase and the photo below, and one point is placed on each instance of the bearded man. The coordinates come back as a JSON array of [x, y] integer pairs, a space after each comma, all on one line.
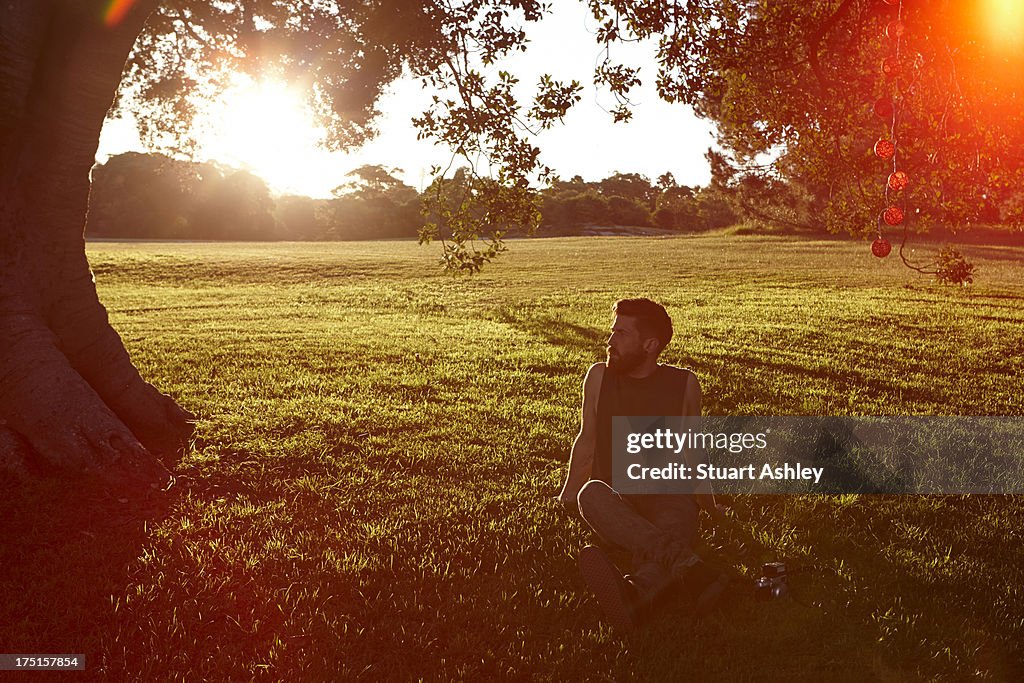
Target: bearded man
[[656, 531]]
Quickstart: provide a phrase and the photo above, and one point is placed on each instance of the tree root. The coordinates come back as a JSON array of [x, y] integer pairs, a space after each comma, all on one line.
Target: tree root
[[63, 419]]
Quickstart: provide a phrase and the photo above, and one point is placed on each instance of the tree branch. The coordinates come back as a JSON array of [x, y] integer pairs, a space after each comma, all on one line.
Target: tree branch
[[815, 38]]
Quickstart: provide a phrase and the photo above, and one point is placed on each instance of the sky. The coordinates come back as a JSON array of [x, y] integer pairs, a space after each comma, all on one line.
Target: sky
[[265, 129]]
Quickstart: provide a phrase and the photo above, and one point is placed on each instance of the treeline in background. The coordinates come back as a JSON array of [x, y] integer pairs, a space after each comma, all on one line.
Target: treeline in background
[[151, 196]]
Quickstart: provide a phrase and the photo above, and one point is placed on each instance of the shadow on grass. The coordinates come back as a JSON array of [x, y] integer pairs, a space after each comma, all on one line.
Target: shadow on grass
[[985, 300], [911, 553], [871, 618], [994, 253], [67, 549], [555, 330], [745, 639], [741, 369]]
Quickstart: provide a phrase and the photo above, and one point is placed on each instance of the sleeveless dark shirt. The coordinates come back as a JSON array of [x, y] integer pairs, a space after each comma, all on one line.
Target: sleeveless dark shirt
[[660, 393]]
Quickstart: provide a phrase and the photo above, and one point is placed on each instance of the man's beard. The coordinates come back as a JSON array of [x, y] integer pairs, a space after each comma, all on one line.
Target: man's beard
[[623, 363]]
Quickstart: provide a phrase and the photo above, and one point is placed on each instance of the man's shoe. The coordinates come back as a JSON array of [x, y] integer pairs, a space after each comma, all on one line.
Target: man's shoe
[[614, 593]]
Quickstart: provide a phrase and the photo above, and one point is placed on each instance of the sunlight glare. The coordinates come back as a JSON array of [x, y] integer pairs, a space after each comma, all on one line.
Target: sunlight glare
[[267, 129], [1005, 21], [115, 11]]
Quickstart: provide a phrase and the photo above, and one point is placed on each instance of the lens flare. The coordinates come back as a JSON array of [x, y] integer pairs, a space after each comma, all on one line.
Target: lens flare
[[1005, 20], [116, 9]]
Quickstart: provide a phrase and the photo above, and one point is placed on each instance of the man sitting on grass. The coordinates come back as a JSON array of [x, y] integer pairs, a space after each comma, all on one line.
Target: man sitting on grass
[[656, 530]]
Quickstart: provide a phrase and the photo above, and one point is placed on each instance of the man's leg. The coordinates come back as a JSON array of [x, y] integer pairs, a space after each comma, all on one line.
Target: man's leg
[[659, 536], [619, 523], [653, 550], [677, 514], [676, 517]]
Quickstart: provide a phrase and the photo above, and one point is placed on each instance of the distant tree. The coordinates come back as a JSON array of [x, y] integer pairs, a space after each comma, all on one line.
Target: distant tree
[[553, 209], [372, 180], [233, 206], [713, 210], [631, 186], [666, 181], [375, 204], [674, 196], [665, 218], [155, 197], [679, 202], [301, 218], [141, 196], [620, 199], [765, 200], [587, 207], [625, 211]]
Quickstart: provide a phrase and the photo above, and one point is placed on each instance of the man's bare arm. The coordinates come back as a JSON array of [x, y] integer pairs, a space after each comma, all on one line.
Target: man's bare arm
[[581, 459]]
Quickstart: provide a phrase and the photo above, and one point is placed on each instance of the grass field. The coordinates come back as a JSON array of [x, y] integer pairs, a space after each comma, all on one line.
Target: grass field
[[378, 444]]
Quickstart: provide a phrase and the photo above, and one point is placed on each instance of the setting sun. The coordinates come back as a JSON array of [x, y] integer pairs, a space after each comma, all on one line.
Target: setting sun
[[1005, 22], [267, 129]]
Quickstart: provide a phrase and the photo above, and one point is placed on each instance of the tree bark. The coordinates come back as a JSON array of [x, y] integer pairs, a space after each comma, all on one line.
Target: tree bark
[[68, 389]]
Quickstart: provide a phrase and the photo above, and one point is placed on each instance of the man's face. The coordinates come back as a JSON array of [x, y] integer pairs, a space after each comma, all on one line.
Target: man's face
[[625, 345]]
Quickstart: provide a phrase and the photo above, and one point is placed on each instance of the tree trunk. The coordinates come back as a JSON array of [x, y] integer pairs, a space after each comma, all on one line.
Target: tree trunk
[[70, 396]]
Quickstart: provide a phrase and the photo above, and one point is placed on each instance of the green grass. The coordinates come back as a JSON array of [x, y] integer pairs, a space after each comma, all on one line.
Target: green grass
[[378, 444]]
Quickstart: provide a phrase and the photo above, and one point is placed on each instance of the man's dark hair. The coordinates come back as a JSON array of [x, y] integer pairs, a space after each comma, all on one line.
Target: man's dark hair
[[651, 318]]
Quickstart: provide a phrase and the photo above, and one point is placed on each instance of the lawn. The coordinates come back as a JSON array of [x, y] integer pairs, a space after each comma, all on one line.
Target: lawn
[[369, 494]]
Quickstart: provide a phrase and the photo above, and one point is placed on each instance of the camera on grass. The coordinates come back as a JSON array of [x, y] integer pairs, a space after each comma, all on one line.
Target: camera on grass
[[773, 582]]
